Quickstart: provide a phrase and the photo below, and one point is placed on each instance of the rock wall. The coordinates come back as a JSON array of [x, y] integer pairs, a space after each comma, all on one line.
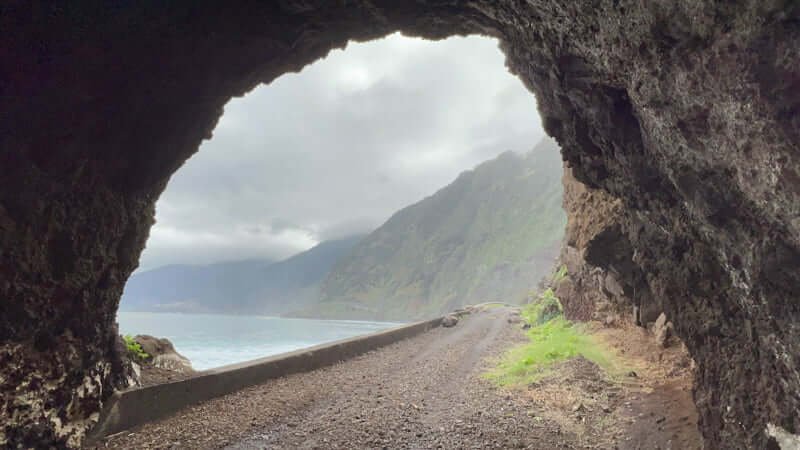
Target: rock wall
[[603, 282], [685, 111]]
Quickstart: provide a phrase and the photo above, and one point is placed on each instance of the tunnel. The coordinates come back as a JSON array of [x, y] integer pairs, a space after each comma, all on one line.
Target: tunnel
[[687, 112]]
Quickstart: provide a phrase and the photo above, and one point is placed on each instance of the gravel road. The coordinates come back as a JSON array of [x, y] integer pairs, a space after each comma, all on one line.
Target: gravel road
[[424, 392], [428, 392]]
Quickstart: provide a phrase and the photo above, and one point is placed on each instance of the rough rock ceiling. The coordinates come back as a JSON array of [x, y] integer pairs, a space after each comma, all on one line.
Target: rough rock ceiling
[[687, 111]]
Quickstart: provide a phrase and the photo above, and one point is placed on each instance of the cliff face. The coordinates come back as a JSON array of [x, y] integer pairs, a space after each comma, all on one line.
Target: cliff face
[[604, 282], [590, 212], [687, 112]]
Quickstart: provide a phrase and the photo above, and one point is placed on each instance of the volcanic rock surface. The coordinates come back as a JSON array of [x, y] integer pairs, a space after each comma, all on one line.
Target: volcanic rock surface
[[688, 112], [602, 280]]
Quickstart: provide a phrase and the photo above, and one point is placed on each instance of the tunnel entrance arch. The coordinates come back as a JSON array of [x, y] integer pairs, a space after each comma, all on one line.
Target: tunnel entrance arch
[[305, 171], [686, 112]]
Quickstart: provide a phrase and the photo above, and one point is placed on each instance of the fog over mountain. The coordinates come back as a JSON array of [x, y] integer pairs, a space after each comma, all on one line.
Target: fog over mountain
[[237, 287], [334, 150]]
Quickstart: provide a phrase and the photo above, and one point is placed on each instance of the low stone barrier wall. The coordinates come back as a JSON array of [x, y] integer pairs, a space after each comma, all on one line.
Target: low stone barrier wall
[[127, 409]]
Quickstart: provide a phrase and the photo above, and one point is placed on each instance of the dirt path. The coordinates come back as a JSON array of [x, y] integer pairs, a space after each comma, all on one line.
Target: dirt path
[[425, 392]]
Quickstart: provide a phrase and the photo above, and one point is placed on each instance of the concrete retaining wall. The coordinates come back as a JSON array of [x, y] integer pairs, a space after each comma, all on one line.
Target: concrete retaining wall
[[134, 407]]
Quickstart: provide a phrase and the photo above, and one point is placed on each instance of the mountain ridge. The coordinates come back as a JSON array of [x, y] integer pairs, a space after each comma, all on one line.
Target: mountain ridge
[[491, 234], [239, 287]]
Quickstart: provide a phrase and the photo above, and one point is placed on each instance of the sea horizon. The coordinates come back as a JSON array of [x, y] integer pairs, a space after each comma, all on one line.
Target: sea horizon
[[215, 340]]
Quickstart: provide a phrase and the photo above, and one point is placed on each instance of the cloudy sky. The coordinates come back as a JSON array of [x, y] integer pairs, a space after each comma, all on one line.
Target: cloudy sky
[[339, 147]]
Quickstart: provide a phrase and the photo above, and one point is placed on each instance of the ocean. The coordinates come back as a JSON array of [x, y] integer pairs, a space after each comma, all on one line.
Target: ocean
[[213, 340]]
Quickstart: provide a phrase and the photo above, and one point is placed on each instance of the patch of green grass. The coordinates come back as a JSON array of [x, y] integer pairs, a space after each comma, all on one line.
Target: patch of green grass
[[492, 305], [552, 339], [135, 349]]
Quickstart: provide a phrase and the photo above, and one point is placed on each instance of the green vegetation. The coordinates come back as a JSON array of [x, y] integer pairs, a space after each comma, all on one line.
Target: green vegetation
[[552, 339], [544, 309], [560, 274], [135, 349]]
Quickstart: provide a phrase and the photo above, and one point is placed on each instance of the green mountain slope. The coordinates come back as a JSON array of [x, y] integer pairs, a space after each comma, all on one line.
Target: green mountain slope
[[490, 235]]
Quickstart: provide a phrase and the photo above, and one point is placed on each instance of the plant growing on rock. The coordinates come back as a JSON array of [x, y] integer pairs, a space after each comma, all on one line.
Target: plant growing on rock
[[560, 274], [135, 350], [543, 309]]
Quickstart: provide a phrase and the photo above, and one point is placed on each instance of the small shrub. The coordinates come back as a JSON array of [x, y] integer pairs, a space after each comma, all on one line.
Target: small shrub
[[560, 274], [135, 349], [543, 309]]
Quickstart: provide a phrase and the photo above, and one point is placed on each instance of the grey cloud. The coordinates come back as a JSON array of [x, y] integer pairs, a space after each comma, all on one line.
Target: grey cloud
[[339, 147]]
